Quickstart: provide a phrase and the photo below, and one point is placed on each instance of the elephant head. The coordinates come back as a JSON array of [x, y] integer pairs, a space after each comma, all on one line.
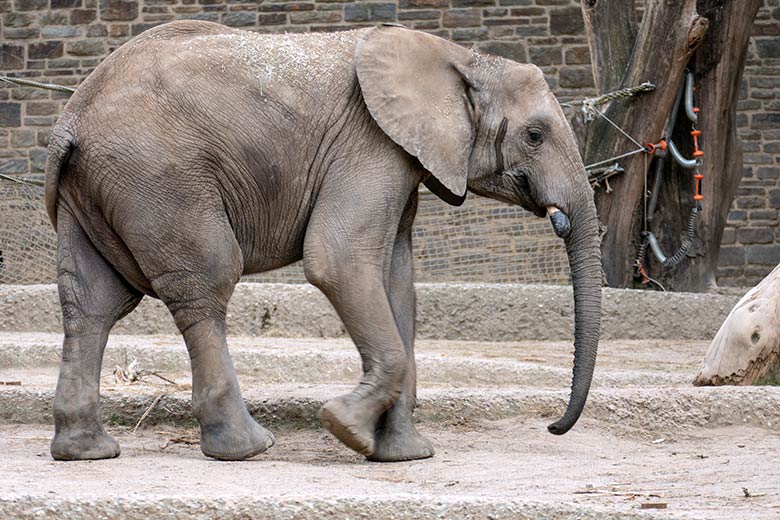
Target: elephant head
[[491, 126]]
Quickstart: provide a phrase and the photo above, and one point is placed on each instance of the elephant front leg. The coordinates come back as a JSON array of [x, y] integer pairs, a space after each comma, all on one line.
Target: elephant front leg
[[347, 255], [396, 437], [361, 301]]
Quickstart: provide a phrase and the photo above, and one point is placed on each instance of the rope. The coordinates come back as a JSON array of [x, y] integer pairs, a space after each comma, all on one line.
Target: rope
[[627, 154], [21, 180], [46, 86], [591, 102], [617, 127], [588, 107], [610, 96]]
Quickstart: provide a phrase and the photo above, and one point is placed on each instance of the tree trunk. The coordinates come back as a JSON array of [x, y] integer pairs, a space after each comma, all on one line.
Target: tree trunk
[[746, 349], [658, 49], [717, 66]]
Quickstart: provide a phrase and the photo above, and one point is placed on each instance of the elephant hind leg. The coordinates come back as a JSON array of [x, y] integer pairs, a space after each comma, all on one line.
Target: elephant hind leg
[[93, 297], [194, 276]]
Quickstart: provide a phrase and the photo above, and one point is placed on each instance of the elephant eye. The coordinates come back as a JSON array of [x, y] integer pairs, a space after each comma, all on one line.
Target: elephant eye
[[535, 137]]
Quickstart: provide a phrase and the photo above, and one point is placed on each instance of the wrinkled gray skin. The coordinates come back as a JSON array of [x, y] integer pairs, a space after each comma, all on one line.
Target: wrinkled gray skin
[[197, 153]]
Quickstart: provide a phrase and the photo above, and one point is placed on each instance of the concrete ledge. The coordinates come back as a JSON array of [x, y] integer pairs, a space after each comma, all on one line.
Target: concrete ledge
[[484, 312], [319, 361], [295, 406], [304, 508]]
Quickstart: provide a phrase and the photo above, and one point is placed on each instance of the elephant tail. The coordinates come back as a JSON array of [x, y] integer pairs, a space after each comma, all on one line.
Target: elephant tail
[[61, 146]]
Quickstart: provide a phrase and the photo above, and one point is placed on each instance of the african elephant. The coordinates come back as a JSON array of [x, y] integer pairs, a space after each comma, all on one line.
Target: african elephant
[[196, 153]]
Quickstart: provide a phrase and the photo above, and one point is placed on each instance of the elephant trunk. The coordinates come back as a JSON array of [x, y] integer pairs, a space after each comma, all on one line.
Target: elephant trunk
[[583, 249]]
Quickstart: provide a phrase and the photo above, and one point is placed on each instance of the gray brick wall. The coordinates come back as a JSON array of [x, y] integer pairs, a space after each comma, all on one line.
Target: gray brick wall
[[751, 240], [62, 40]]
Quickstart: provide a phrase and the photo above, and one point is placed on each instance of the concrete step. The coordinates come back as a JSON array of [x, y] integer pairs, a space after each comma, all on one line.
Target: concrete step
[[450, 363], [482, 312], [295, 405]]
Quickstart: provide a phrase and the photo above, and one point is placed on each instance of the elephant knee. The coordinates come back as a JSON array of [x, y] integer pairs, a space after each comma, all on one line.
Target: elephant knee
[[320, 273]]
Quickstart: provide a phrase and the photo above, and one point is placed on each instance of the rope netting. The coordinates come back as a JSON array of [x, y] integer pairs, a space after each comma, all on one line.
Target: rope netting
[[481, 241], [28, 244]]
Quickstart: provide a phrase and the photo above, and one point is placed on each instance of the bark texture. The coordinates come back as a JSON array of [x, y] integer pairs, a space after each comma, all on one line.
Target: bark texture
[[658, 48], [746, 349]]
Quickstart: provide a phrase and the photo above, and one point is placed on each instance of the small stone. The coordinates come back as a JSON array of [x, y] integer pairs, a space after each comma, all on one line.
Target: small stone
[[406, 4], [514, 51], [53, 18], [11, 166], [54, 32], [21, 33], [65, 4], [356, 13], [97, 30], [239, 19], [763, 254], [542, 56], [576, 77], [755, 236], [768, 47], [18, 19], [138, 28], [41, 108], [10, 114], [462, 18], [86, 48], [272, 19], [419, 15], [382, 12], [82, 16], [577, 56], [38, 160], [765, 121], [315, 17], [566, 20], [11, 57], [473, 3], [731, 255], [116, 10], [30, 5]]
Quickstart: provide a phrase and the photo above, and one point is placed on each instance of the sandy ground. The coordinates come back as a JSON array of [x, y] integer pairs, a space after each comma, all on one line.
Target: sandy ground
[[607, 465], [726, 473]]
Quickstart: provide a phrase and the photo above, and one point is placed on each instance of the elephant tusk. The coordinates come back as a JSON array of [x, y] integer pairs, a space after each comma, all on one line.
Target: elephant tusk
[[560, 221]]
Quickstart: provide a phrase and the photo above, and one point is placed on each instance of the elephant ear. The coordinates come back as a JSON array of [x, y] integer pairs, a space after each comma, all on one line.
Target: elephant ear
[[415, 88]]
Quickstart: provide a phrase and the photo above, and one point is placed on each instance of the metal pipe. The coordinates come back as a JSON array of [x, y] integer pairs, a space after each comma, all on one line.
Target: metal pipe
[[692, 115], [659, 175], [679, 159], [669, 128], [656, 248]]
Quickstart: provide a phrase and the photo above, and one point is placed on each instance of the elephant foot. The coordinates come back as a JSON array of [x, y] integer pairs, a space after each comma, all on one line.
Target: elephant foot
[[395, 444], [224, 441], [348, 419], [84, 444]]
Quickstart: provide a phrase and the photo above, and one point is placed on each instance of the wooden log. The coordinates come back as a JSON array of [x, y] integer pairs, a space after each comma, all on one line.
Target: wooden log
[[747, 346]]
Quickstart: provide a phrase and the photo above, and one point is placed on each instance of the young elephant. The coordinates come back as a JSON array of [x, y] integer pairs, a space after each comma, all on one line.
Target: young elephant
[[197, 153]]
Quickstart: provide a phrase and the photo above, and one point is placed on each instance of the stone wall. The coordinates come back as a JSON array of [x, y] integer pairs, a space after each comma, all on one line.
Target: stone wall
[[62, 40], [751, 240]]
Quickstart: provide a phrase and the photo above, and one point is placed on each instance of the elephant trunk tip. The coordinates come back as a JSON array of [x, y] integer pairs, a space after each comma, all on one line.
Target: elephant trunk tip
[[560, 427]]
